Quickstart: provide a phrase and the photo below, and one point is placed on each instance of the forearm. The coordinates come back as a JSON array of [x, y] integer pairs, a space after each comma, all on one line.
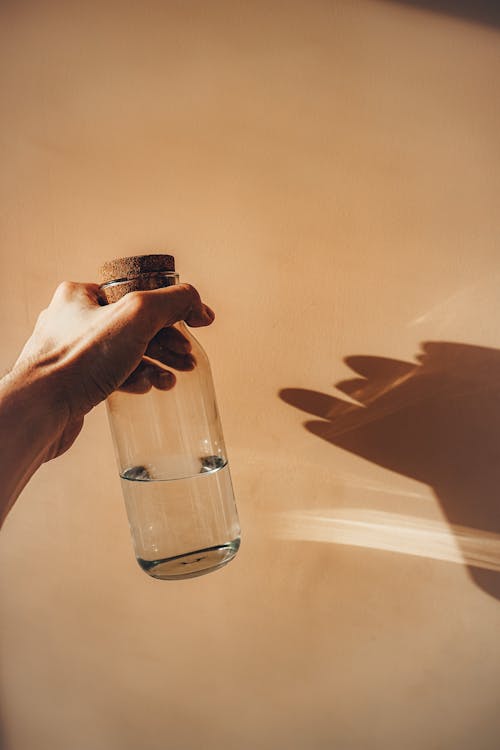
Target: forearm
[[29, 422]]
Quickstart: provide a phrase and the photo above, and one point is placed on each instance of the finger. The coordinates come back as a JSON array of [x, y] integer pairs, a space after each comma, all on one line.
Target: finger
[[170, 347], [171, 338], [148, 375], [182, 362], [366, 391], [163, 380], [139, 381], [355, 387], [350, 422], [380, 368], [167, 306], [69, 291], [313, 402]]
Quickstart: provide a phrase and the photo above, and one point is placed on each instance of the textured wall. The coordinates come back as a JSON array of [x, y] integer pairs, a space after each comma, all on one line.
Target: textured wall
[[327, 173]]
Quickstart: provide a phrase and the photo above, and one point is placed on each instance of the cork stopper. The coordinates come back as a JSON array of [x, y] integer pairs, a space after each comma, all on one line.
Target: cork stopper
[[136, 273], [129, 268]]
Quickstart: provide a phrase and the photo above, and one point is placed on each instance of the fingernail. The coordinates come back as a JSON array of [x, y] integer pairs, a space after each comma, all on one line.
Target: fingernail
[[166, 379], [208, 313]]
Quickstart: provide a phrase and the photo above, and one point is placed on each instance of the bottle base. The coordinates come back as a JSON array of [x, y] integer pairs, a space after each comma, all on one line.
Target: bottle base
[[191, 564]]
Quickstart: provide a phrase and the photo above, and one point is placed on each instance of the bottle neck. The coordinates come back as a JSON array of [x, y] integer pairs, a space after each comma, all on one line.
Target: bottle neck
[[114, 290]]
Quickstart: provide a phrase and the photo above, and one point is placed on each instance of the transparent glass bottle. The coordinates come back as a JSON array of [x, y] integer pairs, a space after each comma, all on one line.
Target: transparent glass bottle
[[170, 452]]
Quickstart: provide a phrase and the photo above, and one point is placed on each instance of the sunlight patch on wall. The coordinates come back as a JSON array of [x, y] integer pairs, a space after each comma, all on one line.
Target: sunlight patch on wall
[[407, 535]]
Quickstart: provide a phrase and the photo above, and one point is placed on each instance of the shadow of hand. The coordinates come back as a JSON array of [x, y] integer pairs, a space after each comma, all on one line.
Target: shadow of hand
[[437, 421]]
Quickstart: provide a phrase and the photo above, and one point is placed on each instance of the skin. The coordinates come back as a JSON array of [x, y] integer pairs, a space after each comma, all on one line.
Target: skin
[[80, 351]]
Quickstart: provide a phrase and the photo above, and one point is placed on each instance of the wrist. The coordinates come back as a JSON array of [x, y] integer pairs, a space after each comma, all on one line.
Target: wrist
[[36, 394], [31, 417]]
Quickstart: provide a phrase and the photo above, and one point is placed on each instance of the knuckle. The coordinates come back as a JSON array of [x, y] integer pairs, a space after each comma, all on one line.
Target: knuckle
[[191, 295], [42, 316], [66, 289], [134, 302], [188, 289]]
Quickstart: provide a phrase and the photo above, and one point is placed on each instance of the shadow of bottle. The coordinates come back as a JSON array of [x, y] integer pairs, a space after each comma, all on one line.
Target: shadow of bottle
[[437, 421]]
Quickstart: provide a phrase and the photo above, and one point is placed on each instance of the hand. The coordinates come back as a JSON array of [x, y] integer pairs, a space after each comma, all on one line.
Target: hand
[[81, 350]]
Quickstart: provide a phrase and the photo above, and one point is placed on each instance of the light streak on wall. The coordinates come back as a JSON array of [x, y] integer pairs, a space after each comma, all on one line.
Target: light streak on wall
[[392, 532]]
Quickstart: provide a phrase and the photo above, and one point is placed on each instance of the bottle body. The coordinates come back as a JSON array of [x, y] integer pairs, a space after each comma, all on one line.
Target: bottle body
[[175, 474]]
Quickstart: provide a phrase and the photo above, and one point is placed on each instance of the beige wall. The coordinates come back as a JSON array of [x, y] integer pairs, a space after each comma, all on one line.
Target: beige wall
[[327, 173]]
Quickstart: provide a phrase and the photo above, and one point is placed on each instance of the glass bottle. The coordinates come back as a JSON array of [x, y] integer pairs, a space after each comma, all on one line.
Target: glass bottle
[[170, 451]]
